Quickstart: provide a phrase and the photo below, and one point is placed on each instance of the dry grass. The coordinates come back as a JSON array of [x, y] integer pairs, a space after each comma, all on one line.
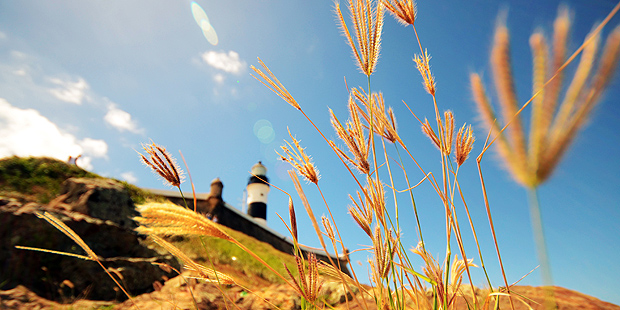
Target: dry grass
[[395, 282], [553, 125]]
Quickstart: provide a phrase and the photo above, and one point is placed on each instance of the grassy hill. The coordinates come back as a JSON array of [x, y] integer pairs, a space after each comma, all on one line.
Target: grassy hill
[[39, 179]]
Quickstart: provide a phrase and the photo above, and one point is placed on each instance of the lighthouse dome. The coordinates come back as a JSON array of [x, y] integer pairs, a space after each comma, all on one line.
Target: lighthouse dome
[[259, 169]]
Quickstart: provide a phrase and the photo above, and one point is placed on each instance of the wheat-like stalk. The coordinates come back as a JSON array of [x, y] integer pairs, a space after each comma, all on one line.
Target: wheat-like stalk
[[164, 165], [354, 138], [297, 157], [169, 219], [206, 274], [367, 24], [274, 84], [552, 129], [403, 10], [464, 144]]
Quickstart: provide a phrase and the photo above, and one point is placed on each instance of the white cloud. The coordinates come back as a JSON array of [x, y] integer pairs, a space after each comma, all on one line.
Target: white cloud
[[120, 119], [20, 72], [219, 78], [228, 62], [25, 132], [73, 92], [130, 177], [2, 35], [97, 148], [18, 55]]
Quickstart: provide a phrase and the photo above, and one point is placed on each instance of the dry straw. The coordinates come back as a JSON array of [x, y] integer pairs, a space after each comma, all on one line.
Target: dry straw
[[274, 84], [553, 126], [354, 138], [160, 161], [168, 219], [403, 10], [297, 157], [464, 144], [367, 24], [308, 285]]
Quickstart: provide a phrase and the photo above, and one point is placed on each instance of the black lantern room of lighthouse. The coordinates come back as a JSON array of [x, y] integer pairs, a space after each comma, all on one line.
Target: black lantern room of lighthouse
[[257, 190]]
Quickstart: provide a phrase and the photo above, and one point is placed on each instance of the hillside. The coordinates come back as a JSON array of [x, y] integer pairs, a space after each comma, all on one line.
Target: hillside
[[48, 281]]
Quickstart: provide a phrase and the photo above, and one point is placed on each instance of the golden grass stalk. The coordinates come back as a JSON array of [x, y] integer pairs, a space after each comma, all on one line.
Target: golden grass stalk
[[58, 224], [446, 129], [551, 132], [329, 230], [384, 122], [293, 218], [206, 274], [308, 284], [362, 214], [464, 144], [164, 165], [564, 132], [274, 84], [169, 219], [353, 137], [504, 83], [367, 24], [337, 275], [375, 194], [427, 129], [422, 63], [316, 227], [459, 266], [403, 10], [296, 156], [540, 56], [448, 132], [384, 247]]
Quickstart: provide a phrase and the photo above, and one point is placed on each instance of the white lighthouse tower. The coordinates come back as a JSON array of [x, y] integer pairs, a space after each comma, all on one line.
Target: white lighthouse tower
[[257, 192]]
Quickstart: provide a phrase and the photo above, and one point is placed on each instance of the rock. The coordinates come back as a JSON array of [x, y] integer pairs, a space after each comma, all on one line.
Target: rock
[[119, 247], [334, 293], [99, 198], [21, 298]]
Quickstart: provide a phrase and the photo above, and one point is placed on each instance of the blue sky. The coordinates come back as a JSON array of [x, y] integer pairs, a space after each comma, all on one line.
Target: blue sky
[[100, 78]]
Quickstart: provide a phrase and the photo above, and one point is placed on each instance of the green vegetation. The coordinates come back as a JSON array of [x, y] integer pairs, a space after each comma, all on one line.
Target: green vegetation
[[40, 177], [138, 195], [222, 252]]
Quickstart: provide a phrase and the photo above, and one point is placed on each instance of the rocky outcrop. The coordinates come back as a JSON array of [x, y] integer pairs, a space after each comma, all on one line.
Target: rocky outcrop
[[103, 199], [99, 212]]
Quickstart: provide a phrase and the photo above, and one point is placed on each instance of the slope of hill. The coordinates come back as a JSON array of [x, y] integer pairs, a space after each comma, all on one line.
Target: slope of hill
[[30, 185]]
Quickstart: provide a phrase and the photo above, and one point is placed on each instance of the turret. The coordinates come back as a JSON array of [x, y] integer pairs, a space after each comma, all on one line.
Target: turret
[[257, 192], [216, 188]]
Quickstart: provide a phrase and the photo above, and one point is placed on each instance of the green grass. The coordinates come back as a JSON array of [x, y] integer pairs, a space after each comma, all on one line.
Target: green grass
[[40, 179], [221, 252]]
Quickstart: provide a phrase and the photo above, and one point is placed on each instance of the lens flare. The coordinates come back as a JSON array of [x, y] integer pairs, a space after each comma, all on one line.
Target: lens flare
[[264, 131], [203, 22]]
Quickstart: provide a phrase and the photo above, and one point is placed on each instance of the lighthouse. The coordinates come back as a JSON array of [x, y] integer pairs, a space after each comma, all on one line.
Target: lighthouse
[[257, 192]]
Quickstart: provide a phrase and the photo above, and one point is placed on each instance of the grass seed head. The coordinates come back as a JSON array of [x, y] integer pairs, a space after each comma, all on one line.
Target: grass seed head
[[552, 129], [404, 11], [423, 65], [464, 144], [368, 25], [448, 132], [293, 217], [430, 133], [163, 164], [354, 138], [296, 156], [274, 84]]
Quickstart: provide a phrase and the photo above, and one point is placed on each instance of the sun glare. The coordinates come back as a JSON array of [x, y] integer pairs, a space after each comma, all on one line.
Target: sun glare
[[203, 22]]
